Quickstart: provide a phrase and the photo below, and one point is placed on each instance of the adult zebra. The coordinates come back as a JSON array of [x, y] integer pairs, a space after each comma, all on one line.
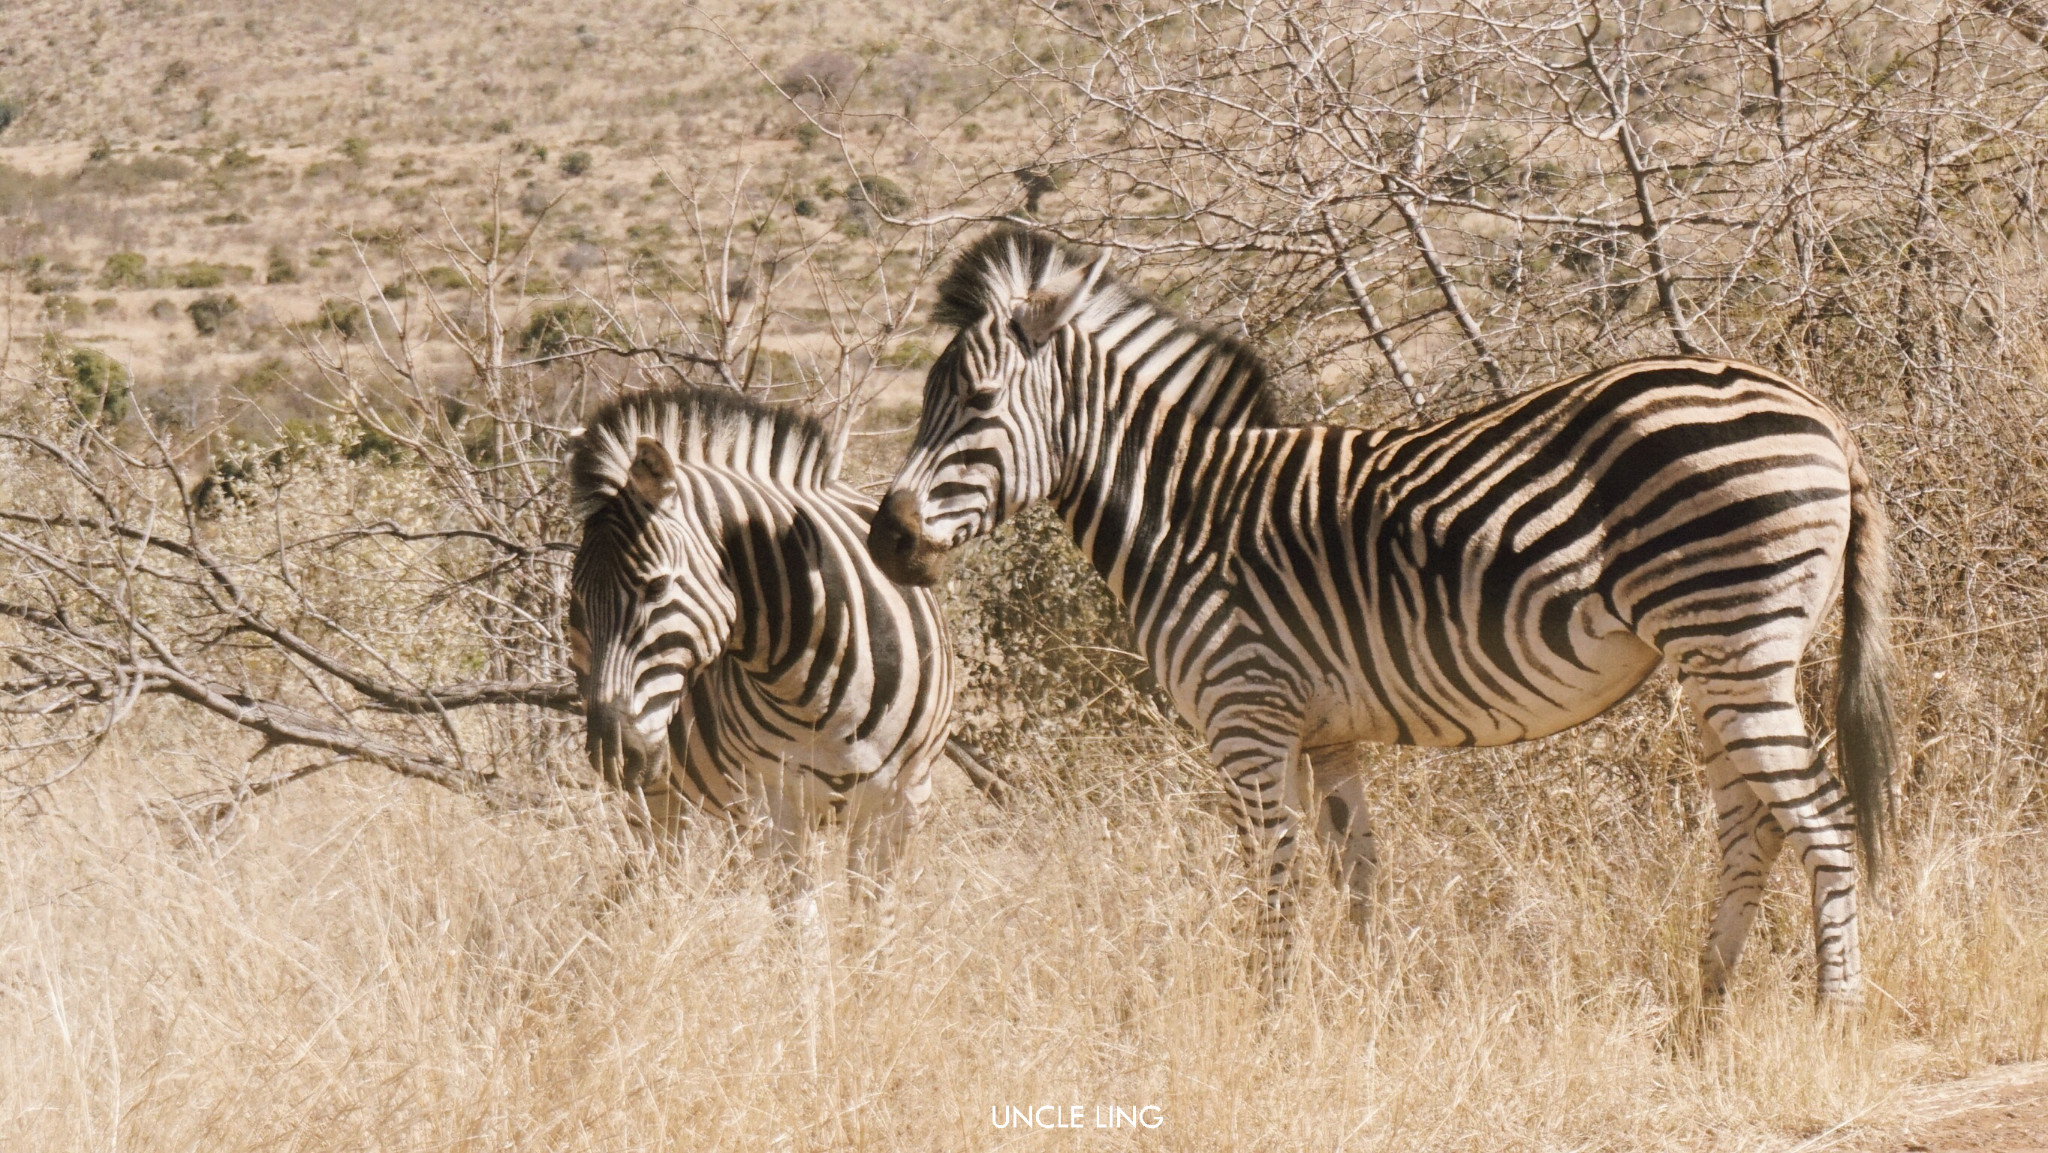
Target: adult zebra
[[734, 645], [1490, 578]]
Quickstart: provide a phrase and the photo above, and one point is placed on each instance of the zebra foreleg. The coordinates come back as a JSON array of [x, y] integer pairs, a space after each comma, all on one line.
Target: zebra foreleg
[[1344, 827], [877, 832], [788, 840], [1756, 723], [1264, 781]]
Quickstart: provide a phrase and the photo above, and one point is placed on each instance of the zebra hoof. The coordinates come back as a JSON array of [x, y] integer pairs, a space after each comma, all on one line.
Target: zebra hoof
[[1841, 1002]]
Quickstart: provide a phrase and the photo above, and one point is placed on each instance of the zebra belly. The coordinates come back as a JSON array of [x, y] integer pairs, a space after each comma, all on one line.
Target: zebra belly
[[1469, 702], [720, 760]]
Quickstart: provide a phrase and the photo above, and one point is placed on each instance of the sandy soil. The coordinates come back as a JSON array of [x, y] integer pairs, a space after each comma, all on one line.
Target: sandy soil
[[2001, 1111]]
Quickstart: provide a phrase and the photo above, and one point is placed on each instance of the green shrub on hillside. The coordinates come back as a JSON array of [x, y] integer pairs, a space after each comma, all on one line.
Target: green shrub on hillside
[[125, 270], [279, 268], [882, 192], [345, 318], [556, 328], [209, 312], [64, 309], [95, 384], [46, 276], [198, 274]]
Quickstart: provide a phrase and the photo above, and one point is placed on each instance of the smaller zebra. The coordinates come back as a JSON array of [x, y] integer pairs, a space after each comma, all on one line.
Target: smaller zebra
[[735, 647]]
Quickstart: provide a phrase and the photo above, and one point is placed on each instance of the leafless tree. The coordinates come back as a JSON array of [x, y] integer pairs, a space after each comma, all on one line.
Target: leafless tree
[[385, 585], [1427, 201]]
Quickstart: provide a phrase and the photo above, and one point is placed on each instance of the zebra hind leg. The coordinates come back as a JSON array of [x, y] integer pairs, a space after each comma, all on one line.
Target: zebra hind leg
[[1752, 717], [1344, 827], [1750, 839]]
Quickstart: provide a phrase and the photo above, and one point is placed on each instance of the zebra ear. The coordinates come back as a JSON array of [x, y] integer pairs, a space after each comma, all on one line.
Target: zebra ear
[[1056, 302], [653, 475]]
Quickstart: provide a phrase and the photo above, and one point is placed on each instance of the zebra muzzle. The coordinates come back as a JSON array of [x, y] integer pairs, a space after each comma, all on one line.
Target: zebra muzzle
[[615, 748], [897, 543]]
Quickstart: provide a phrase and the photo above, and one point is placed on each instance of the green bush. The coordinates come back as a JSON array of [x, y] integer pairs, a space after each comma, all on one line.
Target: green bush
[[209, 312], [372, 446], [95, 384], [576, 163], [132, 177], [264, 378], [9, 113], [197, 274], [882, 192], [51, 278], [442, 278], [556, 328], [345, 318], [908, 354], [1047, 656], [356, 151], [125, 270], [62, 308], [279, 268]]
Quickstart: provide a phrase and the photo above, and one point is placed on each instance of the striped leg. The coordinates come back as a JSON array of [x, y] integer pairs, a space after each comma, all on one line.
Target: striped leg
[[1344, 827], [1753, 717], [1262, 771], [1750, 839]]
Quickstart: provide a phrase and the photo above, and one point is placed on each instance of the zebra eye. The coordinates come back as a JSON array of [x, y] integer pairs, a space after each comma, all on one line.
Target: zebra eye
[[657, 588]]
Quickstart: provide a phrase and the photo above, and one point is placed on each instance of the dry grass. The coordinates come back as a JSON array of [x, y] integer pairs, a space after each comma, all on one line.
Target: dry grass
[[370, 964]]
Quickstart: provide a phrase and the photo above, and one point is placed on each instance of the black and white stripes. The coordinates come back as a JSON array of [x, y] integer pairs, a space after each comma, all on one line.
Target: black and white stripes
[[735, 646], [1487, 579]]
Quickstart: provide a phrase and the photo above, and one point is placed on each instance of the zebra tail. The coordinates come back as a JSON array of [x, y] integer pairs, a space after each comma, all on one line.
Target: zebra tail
[[979, 769], [1863, 699]]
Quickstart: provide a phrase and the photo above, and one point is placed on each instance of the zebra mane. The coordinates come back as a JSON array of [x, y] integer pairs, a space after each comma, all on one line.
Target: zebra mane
[[710, 427], [1009, 262]]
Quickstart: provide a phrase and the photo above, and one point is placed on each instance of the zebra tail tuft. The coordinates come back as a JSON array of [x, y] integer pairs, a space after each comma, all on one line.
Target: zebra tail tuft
[[1863, 700]]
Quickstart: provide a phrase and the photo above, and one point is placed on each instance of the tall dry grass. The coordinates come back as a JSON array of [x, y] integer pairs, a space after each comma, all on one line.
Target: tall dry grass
[[372, 964]]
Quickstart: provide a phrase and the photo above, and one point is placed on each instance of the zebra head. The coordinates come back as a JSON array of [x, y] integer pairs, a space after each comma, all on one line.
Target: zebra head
[[650, 604], [988, 442]]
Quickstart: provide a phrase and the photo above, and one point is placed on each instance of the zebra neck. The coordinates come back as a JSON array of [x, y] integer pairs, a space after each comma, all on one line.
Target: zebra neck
[[1161, 431], [753, 528]]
